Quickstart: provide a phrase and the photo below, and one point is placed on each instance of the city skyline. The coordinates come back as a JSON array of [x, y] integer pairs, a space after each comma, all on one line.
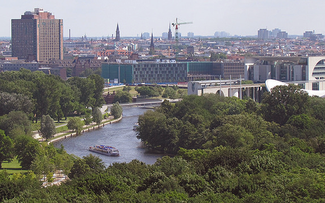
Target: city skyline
[[237, 17]]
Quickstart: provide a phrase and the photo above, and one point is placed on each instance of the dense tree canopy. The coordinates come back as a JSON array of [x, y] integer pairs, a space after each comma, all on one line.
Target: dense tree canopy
[[224, 150], [122, 97], [44, 94], [6, 148], [283, 102]]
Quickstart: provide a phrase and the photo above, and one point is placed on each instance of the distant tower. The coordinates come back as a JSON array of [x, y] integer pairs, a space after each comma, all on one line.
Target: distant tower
[[170, 35], [152, 46], [117, 33]]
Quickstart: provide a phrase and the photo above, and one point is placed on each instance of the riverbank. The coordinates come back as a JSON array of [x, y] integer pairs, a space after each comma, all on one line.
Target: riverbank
[[71, 133], [86, 128]]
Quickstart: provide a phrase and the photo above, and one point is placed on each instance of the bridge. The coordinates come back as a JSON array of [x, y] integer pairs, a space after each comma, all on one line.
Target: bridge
[[227, 88]]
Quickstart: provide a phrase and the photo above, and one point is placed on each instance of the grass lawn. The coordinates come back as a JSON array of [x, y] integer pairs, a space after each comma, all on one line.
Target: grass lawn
[[12, 167], [132, 91]]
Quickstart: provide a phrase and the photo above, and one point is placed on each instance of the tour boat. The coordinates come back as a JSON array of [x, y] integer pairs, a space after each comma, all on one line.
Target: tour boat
[[105, 150]]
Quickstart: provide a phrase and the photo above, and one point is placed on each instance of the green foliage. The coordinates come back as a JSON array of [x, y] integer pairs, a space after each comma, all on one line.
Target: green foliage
[[15, 123], [26, 149], [116, 110], [169, 92], [87, 118], [217, 56], [226, 152], [97, 116], [76, 124], [150, 91], [122, 97], [14, 102], [6, 148], [87, 165], [127, 88], [47, 127], [283, 102]]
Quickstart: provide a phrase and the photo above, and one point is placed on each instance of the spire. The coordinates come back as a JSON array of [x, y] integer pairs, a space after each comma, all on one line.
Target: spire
[[152, 46], [117, 38], [170, 35]]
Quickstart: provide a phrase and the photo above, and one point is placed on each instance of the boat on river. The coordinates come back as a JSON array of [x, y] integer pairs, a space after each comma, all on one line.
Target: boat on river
[[105, 150]]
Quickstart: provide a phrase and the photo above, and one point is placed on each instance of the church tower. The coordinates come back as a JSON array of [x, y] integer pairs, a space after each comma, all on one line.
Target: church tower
[[170, 35], [117, 38], [152, 46]]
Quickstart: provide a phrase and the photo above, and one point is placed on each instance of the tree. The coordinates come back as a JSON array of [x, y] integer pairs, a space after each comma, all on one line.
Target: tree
[[15, 123], [42, 165], [116, 110], [127, 88], [14, 102], [169, 93], [84, 90], [123, 97], [47, 96], [26, 149], [98, 89], [75, 124], [47, 127], [97, 115], [67, 100], [6, 148], [283, 102], [87, 117]]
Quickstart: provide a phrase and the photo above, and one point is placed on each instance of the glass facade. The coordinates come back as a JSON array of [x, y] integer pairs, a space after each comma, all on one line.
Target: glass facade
[[122, 72]]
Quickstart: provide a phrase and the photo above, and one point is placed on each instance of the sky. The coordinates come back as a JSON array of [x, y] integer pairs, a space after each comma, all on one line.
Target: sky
[[98, 18]]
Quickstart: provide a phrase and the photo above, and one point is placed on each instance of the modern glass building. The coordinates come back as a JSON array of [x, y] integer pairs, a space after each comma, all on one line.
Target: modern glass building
[[123, 73], [162, 72]]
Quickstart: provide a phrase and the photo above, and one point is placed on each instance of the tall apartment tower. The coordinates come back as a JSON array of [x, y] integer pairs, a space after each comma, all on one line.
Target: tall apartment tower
[[263, 34], [170, 35], [37, 36], [118, 37]]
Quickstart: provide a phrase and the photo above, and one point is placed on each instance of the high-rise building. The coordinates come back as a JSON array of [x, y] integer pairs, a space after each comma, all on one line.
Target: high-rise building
[[282, 35], [263, 34], [118, 37], [37, 36], [190, 34]]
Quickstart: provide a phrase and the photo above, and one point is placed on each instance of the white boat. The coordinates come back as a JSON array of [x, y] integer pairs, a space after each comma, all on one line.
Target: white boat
[[105, 150]]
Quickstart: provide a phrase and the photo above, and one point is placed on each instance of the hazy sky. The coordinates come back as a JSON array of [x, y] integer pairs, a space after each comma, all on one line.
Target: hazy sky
[[97, 18]]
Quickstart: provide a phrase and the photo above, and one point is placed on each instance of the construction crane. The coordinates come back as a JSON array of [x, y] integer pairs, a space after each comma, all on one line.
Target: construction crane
[[176, 25]]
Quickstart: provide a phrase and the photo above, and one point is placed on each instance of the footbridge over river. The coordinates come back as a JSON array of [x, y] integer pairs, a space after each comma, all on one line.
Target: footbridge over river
[[227, 88]]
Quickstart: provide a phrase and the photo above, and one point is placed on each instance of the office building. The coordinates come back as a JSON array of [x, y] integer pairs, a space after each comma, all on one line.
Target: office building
[[190, 34], [263, 34], [37, 36], [282, 35]]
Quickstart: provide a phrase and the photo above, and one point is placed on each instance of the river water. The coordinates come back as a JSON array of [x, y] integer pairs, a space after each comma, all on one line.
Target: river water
[[119, 135]]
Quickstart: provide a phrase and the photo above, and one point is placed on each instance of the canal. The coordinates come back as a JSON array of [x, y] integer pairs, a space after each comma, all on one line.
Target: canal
[[119, 135]]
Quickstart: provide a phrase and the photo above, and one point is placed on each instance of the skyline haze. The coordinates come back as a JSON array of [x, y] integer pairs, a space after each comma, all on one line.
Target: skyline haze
[[98, 18]]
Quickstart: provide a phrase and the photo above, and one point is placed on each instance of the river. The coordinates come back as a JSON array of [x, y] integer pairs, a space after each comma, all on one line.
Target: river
[[119, 135]]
